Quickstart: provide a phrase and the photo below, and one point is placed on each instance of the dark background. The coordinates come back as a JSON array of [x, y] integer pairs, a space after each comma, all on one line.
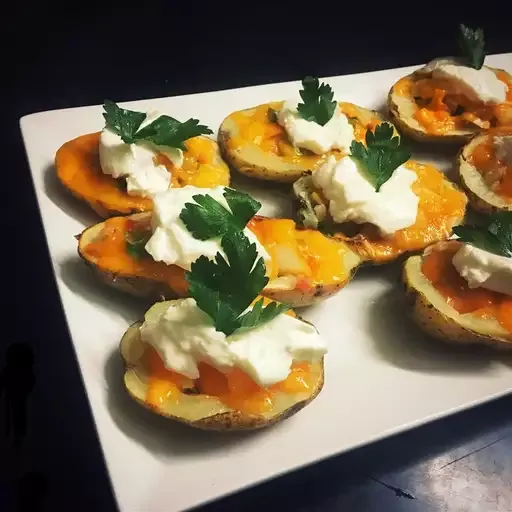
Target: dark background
[[55, 58]]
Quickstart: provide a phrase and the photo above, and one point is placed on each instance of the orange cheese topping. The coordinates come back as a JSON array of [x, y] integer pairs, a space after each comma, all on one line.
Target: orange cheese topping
[[78, 167], [438, 206], [304, 253], [111, 255], [439, 270], [497, 174], [235, 389], [440, 111], [307, 253], [271, 137]]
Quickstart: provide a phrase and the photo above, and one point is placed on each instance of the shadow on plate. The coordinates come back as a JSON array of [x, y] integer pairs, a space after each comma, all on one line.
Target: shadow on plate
[[159, 435], [81, 280], [506, 358], [401, 343], [390, 272], [58, 194]]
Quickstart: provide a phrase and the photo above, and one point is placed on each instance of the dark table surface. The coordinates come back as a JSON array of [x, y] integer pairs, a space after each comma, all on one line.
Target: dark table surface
[[57, 59]]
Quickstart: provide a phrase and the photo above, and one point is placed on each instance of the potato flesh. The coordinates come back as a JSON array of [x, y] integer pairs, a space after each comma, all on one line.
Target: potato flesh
[[191, 408], [438, 119], [475, 181], [472, 322]]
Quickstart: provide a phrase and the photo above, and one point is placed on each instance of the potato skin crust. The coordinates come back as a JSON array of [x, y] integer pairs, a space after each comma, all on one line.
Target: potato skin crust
[[400, 110], [481, 198], [437, 324], [132, 354], [146, 287], [255, 163]]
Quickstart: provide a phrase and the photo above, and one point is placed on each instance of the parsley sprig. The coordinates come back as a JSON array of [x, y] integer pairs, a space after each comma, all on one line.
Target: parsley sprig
[[136, 242], [493, 235], [318, 103], [207, 218], [163, 131], [225, 287], [472, 46], [383, 154]]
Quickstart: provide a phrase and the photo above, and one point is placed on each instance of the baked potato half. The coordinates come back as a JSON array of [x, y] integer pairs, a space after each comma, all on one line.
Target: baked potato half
[[435, 315], [487, 181], [441, 207], [421, 108], [259, 148], [78, 168], [306, 265], [201, 410]]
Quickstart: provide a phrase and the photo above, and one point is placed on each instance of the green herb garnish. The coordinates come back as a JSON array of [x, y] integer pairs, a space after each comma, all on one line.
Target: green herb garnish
[[136, 242], [494, 235], [209, 219], [354, 121], [383, 154], [163, 131], [224, 289], [272, 115], [318, 103], [472, 46]]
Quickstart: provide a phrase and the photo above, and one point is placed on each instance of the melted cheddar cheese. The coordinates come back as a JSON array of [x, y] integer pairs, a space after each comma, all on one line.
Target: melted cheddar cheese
[[256, 128], [78, 168], [438, 268], [110, 253], [306, 254], [497, 175], [235, 389], [440, 205], [440, 112]]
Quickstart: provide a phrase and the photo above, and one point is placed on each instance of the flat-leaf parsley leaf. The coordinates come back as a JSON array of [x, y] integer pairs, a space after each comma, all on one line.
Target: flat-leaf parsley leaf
[[472, 46], [207, 218], [494, 235], [225, 288], [383, 154], [163, 131], [318, 103]]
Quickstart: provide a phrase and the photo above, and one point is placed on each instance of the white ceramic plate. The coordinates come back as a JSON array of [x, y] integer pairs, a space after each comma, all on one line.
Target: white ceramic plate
[[382, 376]]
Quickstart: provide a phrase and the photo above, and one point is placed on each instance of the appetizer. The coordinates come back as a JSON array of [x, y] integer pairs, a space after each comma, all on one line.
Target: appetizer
[[485, 170], [225, 358], [147, 254], [452, 99], [135, 156], [379, 201], [281, 140], [461, 290]]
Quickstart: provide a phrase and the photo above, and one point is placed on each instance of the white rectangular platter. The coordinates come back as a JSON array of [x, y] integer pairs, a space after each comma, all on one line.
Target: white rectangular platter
[[382, 376]]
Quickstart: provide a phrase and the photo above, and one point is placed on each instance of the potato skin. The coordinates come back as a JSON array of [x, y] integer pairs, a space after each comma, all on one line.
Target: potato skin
[[253, 169], [405, 126], [409, 127], [301, 298], [227, 421], [81, 153], [256, 163], [137, 286], [145, 287], [436, 324], [473, 185], [360, 243], [233, 420]]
